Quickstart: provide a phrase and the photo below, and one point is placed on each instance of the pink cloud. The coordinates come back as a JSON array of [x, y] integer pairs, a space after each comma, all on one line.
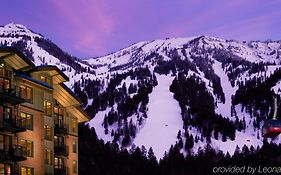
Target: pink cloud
[[89, 24]]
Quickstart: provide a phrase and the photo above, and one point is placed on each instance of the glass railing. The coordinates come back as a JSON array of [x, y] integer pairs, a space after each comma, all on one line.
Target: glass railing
[[61, 149], [61, 170], [13, 153], [61, 129], [11, 94], [12, 123]]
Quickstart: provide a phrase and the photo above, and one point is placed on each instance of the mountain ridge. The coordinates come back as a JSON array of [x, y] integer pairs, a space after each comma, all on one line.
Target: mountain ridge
[[119, 89]]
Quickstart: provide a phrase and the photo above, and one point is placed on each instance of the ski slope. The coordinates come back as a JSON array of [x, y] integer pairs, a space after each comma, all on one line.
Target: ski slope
[[164, 119]]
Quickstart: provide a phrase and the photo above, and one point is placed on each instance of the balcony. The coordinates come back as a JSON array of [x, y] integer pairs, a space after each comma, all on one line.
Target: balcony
[[61, 150], [61, 130], [14, 154], [12, 123], [61, 171], [10, 95]]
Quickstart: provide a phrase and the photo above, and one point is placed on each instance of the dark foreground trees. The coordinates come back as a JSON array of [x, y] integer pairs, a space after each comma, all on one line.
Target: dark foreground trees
[[99, 158]]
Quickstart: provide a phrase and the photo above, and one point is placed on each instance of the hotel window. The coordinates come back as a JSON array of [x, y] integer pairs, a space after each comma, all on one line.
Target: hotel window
[[7, 113], [74, 166], [58, 141], [5, 142], [58, 116], [48, 108], [2, 70], [2, 142], [26, 120], [46, 79], [26, 93], [5, 169], [48, 156], [5, 72], [27, 146], [5, 76], [26, 171], [48, 132], [74, 146], [4, 84], [74, 125], [59, 163]]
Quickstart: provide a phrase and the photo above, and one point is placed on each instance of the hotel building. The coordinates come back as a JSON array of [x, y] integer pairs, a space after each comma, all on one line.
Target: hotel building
[[39, 118]]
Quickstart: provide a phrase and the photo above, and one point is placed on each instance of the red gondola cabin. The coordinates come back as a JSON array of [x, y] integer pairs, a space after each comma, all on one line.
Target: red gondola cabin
[[271, 128]]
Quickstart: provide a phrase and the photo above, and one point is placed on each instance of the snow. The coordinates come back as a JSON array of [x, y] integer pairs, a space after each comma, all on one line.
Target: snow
[[241, 139], [277, 88], [127, 82], [164, 119], [97, 123], [118, 58], [160, 129], [13, 28], [224, 108], [90, 101]]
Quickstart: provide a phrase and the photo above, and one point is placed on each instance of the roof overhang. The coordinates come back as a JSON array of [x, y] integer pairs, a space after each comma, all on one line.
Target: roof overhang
[[65, 96], [57, 75], [79, 113], [15, 58], [70, 101]]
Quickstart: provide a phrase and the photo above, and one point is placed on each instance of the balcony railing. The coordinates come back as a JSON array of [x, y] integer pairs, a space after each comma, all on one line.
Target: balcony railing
[[61, 171], [61, 150], [12, 123], [14, 154], [61, 129], [11, 95]]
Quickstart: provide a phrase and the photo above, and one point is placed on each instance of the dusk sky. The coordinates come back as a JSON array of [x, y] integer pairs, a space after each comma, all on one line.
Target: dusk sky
[[87, 28]]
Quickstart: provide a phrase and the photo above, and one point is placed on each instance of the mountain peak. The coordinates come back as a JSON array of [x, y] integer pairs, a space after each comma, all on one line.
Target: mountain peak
[[15, 28], [14, 25]]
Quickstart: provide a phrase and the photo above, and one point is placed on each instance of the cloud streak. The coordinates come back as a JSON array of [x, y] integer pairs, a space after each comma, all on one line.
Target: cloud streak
[[98, 27], [88, 22]]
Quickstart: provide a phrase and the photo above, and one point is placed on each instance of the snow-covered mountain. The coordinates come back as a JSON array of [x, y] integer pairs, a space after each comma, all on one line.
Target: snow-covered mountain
[[184, 91], [42, 51]]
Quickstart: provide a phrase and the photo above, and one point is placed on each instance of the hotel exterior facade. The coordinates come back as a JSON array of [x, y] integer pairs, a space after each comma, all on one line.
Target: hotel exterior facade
[[39, 118]]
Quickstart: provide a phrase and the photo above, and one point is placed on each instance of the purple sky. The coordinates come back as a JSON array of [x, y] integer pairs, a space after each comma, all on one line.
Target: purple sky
[[87, 28]]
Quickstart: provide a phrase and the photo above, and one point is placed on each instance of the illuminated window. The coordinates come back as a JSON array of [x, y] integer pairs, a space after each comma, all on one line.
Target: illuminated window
[[74, 146], [48, 132], [59, 163], [58, 116], [5, 72], [5, 169], [5, 76], [74, 166], [7, 113], [4, 84], [27, 171], [48, 108], [2, 142], [26, 120], [26, 93], [48, 156], [5, 142], [46, 79], [58, 141], [27, 146], [74, 125], [2, 169], [2, 70]]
